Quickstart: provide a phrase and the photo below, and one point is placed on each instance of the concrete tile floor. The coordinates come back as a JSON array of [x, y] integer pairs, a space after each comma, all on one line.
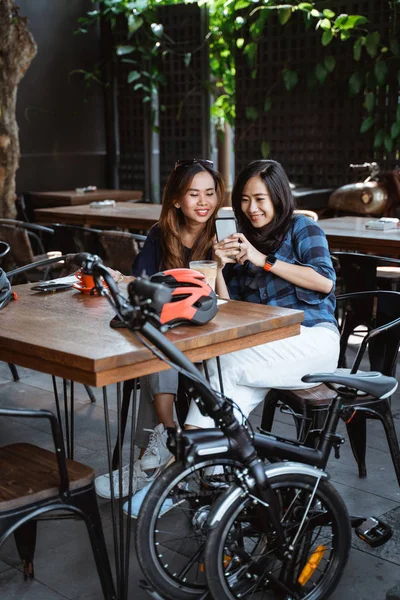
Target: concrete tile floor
[[64, 566]]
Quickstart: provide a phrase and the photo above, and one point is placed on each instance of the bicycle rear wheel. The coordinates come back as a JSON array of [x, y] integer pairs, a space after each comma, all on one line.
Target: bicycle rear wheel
[[242, 560], [171, 534]]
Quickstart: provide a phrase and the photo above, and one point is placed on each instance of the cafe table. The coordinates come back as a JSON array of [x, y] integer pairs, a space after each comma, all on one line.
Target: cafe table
[[137, 215], [67, 334], [74, 197], [350, 233]]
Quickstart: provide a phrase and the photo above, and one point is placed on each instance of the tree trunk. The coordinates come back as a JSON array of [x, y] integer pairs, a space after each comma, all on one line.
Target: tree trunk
[[17, 48]]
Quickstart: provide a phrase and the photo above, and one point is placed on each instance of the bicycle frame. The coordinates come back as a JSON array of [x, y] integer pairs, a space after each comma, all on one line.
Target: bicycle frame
[[137, 316], [233, 438]]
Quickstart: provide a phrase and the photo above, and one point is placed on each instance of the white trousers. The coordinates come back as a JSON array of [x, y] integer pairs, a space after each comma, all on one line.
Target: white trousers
[[249, 374]]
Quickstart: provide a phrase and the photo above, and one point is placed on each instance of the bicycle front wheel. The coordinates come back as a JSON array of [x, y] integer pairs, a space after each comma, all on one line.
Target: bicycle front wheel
[[171, 531], [243, 560]]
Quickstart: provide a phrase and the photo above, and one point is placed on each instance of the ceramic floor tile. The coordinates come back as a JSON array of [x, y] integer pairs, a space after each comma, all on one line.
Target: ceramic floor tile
[[13, 587]]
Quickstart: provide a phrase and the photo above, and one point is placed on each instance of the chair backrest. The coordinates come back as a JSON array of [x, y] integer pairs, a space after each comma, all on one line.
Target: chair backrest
[[75, 238], [21, 249], [121, 248], [4, 250], [56, 434], [383, 341], [357, 273]]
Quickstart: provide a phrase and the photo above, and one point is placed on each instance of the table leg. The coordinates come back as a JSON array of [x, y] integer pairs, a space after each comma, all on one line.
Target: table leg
[[120, 523]]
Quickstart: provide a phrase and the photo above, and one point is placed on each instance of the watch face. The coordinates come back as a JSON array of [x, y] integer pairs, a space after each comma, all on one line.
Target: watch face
[[271, 259]]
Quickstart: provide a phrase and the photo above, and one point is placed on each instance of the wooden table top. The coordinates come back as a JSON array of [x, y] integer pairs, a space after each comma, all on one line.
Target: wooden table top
[[350, 233], [127, 216], [67, 334], [72, 198]]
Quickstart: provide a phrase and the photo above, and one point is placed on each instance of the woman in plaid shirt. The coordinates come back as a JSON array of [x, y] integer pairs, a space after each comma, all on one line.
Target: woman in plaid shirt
[[282, 259]]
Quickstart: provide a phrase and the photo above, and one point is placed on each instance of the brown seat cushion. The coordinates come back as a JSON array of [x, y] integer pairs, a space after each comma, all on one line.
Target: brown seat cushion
[[29, 474]]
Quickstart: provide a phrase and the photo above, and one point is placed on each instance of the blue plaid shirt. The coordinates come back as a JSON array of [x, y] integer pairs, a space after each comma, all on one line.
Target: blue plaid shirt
[[304, 244]]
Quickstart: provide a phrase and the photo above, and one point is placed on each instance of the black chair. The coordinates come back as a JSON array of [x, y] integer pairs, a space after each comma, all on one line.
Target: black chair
[[26, 246], [36, 482], [308, 406], [358, 273]]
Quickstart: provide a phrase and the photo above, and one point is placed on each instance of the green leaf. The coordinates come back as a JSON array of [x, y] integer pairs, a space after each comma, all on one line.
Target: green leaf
[[157, 29], [355, 83], [305, 6], [372, 43], [327, 37], [344, 35], [265, 149], [370, 102], [187, 57], [380, 70], [367, 124], [240, 42], [241, 4], [329, 14], [133, 76], [290, 79], [134, 23], [395, 130], [388, 143], [330, 63], [378, 140], [250, 50], [267, 104], [284, 15], [358, 44], [398, 113], [315, 13], [395, 47], [320, 72], [122, 50], [345, 22], [325, 24], [251, 113]]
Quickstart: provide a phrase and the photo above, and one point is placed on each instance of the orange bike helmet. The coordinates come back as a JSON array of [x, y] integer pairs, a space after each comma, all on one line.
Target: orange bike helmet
[[193, 301]]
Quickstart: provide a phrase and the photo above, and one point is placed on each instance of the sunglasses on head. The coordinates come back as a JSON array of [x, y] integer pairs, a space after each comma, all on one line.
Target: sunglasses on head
[[194, 161]]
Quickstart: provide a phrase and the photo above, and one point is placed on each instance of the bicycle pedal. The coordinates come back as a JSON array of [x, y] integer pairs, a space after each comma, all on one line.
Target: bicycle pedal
[[374, 532]]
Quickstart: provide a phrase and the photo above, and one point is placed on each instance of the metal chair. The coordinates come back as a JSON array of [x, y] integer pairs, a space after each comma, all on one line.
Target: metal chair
[[26, 246], [358, 273], [120, 247], [36, 482], [309, 406]]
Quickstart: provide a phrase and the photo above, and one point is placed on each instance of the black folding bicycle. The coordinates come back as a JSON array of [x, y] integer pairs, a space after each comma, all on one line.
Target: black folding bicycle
[[221, 522]]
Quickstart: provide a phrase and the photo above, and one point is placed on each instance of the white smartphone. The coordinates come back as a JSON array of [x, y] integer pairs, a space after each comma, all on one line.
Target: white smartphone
[[225, 228], [225, 223]]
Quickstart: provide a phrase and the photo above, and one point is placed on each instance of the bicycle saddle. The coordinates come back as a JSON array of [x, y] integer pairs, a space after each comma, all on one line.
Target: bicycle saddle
[[372, 383]]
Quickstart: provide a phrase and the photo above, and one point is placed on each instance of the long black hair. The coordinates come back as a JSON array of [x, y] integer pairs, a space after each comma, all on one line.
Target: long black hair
[[269, 238]]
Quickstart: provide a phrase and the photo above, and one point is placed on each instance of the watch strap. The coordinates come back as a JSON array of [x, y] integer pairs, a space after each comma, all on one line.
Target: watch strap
[[269, 262]]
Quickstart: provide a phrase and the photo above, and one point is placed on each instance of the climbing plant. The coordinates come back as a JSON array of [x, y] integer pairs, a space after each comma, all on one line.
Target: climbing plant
[[238, 26]]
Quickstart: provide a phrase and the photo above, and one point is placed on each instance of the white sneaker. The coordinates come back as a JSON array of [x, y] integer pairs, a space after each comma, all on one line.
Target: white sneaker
[[139, 480], [157, 453]]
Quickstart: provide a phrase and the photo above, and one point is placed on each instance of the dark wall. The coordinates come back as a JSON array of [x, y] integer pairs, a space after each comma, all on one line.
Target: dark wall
[[61, 122]]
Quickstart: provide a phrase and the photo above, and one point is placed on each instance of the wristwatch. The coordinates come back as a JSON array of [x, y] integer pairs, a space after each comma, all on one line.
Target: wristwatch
[[269, 262]]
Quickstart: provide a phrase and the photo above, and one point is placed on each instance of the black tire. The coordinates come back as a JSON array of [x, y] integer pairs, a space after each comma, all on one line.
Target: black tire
[[242, 561], [158, 538]]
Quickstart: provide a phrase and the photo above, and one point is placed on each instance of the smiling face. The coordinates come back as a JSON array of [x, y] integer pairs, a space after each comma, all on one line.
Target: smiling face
[[256, 203], [200, 201]]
